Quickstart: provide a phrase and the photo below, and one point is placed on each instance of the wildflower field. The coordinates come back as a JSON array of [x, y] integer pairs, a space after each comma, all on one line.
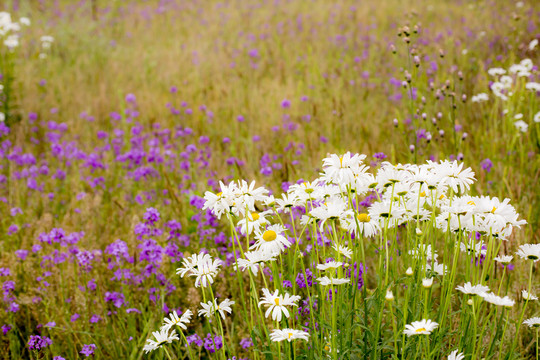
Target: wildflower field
[[270, 179]]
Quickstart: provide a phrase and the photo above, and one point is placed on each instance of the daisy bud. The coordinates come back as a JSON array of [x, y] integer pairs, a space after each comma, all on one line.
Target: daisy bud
[[389, 296], [441, 53], [418, 231], [424, 116], [404, 84], [441, 133], [409, 271], [411, 148], [464, 136], [426, 283], [396, 122], [416, 61], [470, 302]]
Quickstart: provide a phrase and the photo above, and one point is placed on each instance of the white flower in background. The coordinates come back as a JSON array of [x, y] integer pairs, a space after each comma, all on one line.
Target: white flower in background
[[253, 260], [306, 191], [288, 334], [389, 175], [12, 41], [424, 251], [504, 259], [202, 267], [2, 117], [24, 21], [161, 337], [456, 355], [334, 209], [497, 300], [456, 177], [221, 202], [389, 295], [533, 86], [286, 203], [277, 304], [271, 240], [247, 195], [521, 126], [529, 252], [331, 265], [253, 221], [496, 71], [191, 263], [439, 269], [537, 116], [384, 212], [46, 41], [175, 320], [533, 44], [343, 250], [362, 224], [427, 282], [325, 281], [480, 97], [422, 327], [343, 169], [528, 296], [474, 248], [469, 289], [212, 307], [533, 322]]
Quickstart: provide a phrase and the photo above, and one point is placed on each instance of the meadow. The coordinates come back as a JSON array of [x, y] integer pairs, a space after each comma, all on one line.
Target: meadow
[[271, 179]]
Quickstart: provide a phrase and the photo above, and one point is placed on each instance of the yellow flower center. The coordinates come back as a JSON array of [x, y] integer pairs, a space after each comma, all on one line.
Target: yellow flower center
[[423, 194], [493, 210], [269, 235], [276, 300], [471, 203], [420, 330], [441, 197], [327, 347], [341, 161], [255, 216], [290, 335], [363, 217], [219, 194]]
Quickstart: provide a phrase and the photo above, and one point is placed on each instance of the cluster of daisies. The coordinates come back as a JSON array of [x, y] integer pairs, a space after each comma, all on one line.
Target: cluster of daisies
[[431, 194], [508, 84], [9, 29]]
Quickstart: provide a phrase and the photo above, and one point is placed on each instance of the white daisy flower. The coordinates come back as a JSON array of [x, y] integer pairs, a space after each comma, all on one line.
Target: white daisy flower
[[343, 169], [497, 300], [288, 334], [332, 265], [253, 260], [468, 288], [277, 303], [455, 355], [272, 240], [503, 259], [325, 281], [343, 250], [423, 326], [533, 322], [253, 221], [211, 307], [205, 272], [529, 252], [528, 296], [161, 337], [174, 320]]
